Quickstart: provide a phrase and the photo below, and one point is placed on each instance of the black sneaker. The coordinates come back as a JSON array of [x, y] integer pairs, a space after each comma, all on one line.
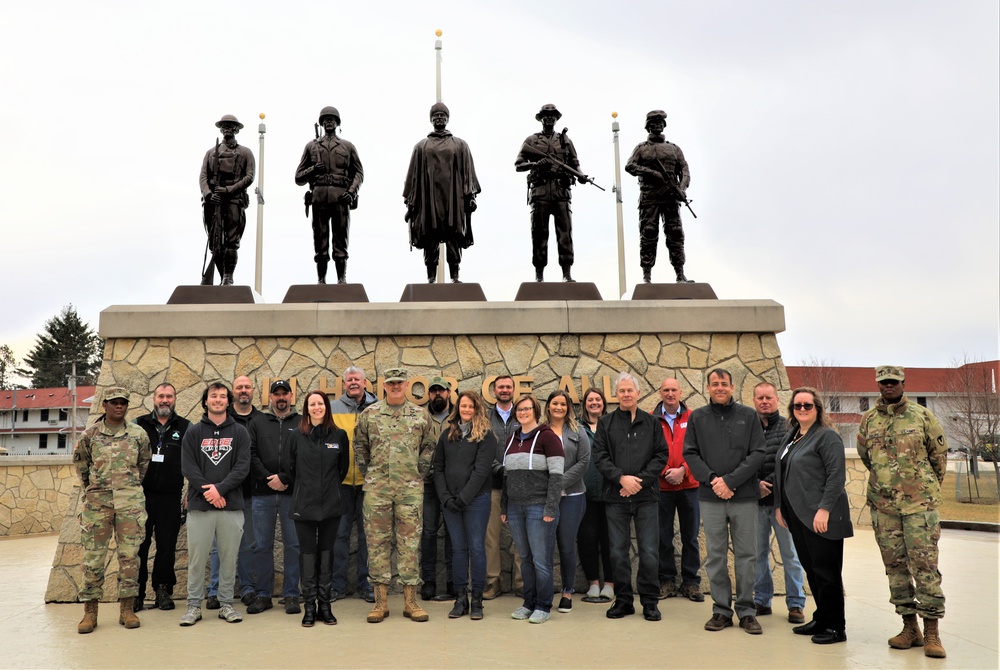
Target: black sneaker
[[248, 598], [164, 599], [565, 605], [368, 595], [259, 605], [292, 605], [139, 605], [212, 603], [428, 590]]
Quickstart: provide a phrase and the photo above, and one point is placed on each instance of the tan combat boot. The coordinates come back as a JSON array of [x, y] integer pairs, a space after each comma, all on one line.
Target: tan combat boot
[[932, 640], [89, 621], [127, 615], [380, 610], [910, 635], [411, 608]]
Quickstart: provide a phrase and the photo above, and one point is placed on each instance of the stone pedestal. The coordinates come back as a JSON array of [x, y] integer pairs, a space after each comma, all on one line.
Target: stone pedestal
[[213, 295], [443, 293], [685, 291], [550, 290], [326, 293]]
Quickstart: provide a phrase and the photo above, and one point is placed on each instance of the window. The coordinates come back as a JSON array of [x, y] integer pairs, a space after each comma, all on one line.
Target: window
[[922, 401], [63, 415], [43, 441], [24, 416], [834, 403], [864, 404], [61, 441], [44, 415]]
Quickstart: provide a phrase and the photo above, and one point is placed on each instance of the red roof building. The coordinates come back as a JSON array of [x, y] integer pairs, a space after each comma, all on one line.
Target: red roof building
[[40, 421]]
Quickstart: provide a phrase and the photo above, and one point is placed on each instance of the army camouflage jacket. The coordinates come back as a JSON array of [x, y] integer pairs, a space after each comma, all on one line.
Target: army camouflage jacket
[[393, 449], [544, 183], [904, 448], [108, 461]]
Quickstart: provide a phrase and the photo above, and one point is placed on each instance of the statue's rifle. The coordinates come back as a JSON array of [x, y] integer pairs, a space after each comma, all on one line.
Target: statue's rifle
[[676, 191], [527, 148], [216, 231]]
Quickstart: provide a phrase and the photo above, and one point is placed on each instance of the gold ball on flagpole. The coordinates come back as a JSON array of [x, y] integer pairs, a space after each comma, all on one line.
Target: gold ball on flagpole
[[438, 32], [262, 116], [614, 115]]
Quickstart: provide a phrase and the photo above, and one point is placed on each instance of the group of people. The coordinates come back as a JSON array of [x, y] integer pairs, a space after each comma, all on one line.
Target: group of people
[[439, 193], [579, 486]]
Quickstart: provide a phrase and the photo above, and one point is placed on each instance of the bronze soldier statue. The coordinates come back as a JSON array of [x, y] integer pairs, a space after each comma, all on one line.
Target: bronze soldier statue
[[440, 195], [226, 174], [663, 181], [331, 167], [545, 156]]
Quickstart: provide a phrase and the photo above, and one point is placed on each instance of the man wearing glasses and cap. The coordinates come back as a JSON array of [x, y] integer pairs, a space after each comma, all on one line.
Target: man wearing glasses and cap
[[904, 448], [393, 449]]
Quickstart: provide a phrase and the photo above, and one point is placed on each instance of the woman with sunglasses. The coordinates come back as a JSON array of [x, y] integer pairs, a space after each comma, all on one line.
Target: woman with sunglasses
[[810, 476], [533, 474]]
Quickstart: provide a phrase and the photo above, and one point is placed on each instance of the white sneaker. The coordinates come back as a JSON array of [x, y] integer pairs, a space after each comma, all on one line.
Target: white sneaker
[[521, 613], [539, 616], [191, 616], [608, 592], [594, 591], [229, 613]]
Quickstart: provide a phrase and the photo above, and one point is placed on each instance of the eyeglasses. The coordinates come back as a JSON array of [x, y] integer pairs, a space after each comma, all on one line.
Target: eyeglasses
[[529, 408], [803, 406]]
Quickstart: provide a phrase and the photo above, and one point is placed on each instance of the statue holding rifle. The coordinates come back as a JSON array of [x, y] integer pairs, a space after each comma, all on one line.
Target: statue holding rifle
[[226, 173], [663, 182], [552, 164]]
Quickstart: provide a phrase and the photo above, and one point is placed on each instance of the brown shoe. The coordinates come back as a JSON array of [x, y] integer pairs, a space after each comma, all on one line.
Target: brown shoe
[[89, 621], [492, 591], [127, 616], [795, 615], [693, 593], [718, 622], [411, 607], [380, 610], [750, 625], [932, 640], [910, 636], [763, 610], [667, 590]]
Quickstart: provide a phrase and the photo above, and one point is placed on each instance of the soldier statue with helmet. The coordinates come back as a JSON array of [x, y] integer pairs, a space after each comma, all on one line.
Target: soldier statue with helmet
[[545, 156], [332, 169], [226, 173], [663, 181]]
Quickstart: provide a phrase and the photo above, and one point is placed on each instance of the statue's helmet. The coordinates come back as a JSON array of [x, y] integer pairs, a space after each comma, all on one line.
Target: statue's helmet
[[655, 114], [229, 118], [329, 111], [546, 110], [440, 107]]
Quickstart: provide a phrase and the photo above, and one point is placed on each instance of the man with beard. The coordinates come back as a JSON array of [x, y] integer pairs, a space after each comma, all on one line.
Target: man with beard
[[439, 407], [440, 195], [226, 173], [162, 487], [270, 433], [504, 423]]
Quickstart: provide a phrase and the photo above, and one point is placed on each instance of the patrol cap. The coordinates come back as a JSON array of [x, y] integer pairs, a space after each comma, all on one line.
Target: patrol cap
[[229, 118], [655, 114], [439, 381], [116, 393], [280, 384], [884, 372], [440, 107], [548, 109], [396, 375], [329, 111]]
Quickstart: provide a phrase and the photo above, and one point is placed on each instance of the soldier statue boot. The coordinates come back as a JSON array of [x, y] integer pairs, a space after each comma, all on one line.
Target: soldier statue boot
[[453, 271], [432, 270], [341, 264], [230, 267], [647, 275], [321, 271], [681, 279], [380, 610], [910, 636], [567, 277], [127, 616], [89, 621], [539, 274], [411, 608], [932, 640]]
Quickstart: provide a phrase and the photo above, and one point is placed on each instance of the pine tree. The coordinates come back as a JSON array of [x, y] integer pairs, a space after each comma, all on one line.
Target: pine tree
[[66, 339], [7, 371]]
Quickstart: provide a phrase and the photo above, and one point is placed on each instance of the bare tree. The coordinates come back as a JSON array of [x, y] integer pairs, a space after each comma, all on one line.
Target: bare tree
[[974, 411], [825, 376]]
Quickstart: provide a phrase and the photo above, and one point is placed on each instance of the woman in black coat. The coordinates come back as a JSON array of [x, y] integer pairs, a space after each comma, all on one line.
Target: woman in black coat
[[318, 462], [810, 476]]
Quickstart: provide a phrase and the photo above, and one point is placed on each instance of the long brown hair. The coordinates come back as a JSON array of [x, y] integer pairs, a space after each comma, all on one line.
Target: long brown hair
[[585, 415], [821, 419], [480, 421], [570, 419], [305, 425]]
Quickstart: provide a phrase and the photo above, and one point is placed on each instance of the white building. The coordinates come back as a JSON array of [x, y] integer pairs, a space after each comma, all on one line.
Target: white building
[[40, 421]]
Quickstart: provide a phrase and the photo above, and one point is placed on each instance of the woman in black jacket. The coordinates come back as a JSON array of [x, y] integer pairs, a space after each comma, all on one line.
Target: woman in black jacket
[[318, 462], [463, 461], [809, 487]]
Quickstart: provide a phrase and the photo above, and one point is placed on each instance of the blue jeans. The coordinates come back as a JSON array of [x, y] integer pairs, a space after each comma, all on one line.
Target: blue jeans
[[429, 537], [468, 541], [646, 517], [685, 505], [763, 585], [353, 498], [536, 542], [267, 508], [571, 509], [244, 563]]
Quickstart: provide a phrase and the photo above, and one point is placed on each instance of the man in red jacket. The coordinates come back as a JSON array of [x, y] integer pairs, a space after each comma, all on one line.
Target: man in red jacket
[[678, 495]]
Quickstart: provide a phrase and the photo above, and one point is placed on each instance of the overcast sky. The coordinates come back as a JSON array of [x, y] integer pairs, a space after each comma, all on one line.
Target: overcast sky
[[844, 155]]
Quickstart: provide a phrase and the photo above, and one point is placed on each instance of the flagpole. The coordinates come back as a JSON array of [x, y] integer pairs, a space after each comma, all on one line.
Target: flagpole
[[259, 190], [618, 208], [443, 249]]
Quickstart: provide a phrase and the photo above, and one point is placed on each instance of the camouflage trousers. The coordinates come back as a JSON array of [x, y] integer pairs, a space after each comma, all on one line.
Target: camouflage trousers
[[386, 521], [909, 549], [122, 512]]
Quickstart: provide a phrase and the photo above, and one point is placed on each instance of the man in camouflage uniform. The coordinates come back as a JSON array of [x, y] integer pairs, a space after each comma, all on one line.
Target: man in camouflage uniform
[[549, 190], [111, 457], [663, 181], [393, 449], [904, 448]]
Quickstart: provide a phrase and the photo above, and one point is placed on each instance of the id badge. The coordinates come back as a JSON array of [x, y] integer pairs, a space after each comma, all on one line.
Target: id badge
[[157, 458]]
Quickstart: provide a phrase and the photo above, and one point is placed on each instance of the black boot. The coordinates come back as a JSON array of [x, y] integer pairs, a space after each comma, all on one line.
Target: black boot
[[307, 579], [453, 271], [681, 279], [647, 275], [325, 588], [230, 265], [432, 271], [341, 264], [461, 607], [539, 274], [428, 590], [566, 274], [208, 277], [476, 606], [321, 271]]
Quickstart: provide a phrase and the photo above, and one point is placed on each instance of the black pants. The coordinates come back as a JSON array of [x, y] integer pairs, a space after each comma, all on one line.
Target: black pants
[[432, 252], [645, 516], [592, 543], [163, 521], [823, 561], [649, 233], [560, 212], [317, 536], [330, 218]]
